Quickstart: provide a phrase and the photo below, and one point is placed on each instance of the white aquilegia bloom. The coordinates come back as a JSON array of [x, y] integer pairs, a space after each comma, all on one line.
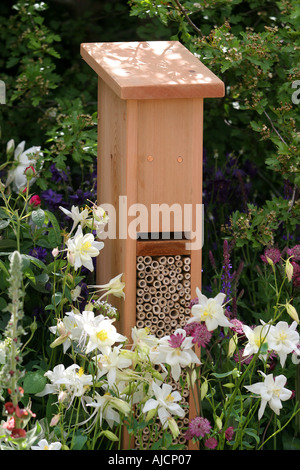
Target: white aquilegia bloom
[[102, 334], [82, 248], [257, 337], [165, 403], [43, 445], [114, 287], [68, 382], [112, 363], [209, 311], [283, 339], [176, 351], [108, 408], [23, 159], [78, 217], [143, 341], [98, 221], [271, 391], [68, 329]]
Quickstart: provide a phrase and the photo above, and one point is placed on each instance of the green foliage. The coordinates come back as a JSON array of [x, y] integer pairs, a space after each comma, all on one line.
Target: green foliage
[[254, 48]]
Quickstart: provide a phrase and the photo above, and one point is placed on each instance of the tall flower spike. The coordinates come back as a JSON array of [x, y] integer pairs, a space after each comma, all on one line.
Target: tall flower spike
[[10, 372]]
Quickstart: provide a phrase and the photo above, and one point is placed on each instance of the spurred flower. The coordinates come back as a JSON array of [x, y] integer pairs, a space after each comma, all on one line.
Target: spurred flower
[[284, 339], [271, 391], [165, 403], [209, 311], [23, 160], [115, 287], [82, 248]]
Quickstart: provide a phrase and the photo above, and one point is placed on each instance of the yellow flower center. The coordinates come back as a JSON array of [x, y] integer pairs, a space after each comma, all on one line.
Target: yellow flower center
[[170, 398], [102, 335], [85, 246], [80, 371], [46, 447], [206, 313], [282, 336]]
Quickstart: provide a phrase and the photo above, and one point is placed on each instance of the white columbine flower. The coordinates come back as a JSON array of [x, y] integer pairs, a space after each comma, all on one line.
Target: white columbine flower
[[99, 220], [82, 248], [209, 311], [107, 407], [71, 380], [43, 445], [283, 339], [271, 391], [256, 338], [143, 341], [176, 351], [165, 403], [76, 215], [111, 364], [68, 330], [102, 335], [23, 159], [114, 287]]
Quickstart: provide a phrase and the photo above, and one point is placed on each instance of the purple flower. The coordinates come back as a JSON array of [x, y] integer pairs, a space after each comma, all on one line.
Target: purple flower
[[58, 176], [229, 433], [198, 427], [52, 199], [39, 253], [176, 340], [295, 252], [211, 443], [273, 254], [199, 333]]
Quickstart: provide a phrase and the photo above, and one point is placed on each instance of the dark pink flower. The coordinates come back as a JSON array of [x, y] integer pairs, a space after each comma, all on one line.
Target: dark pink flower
[[199, 426], [229, 433], [294, 252], [271, 253], [199, 332], [176, 340], [211, 443]]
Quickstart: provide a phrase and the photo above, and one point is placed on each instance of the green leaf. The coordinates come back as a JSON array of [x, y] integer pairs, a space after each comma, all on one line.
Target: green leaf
[[78, 442], [34, 382], [38, 217], [56, 298], [4, 224]]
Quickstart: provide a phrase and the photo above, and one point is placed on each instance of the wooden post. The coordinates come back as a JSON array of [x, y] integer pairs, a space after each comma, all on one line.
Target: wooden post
[[150, 125]]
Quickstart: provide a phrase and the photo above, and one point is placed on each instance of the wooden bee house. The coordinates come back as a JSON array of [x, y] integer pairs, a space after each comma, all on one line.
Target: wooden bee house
[[150, 124]]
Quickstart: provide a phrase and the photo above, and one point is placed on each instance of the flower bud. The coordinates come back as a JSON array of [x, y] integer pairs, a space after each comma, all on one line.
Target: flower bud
[[10, 148], [218, 422], [292, 312], [55, 252], [35, 201], [232, 345], [204, 389], [55, 420], [289, 270], [173, 427], [29, 172]]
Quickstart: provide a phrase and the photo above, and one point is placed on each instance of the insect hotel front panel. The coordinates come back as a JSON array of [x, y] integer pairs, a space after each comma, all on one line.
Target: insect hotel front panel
[[150, 122]]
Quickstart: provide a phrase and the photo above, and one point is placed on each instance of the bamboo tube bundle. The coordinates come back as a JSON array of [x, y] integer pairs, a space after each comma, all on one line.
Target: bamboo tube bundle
[[163, 288], [162, 304]]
